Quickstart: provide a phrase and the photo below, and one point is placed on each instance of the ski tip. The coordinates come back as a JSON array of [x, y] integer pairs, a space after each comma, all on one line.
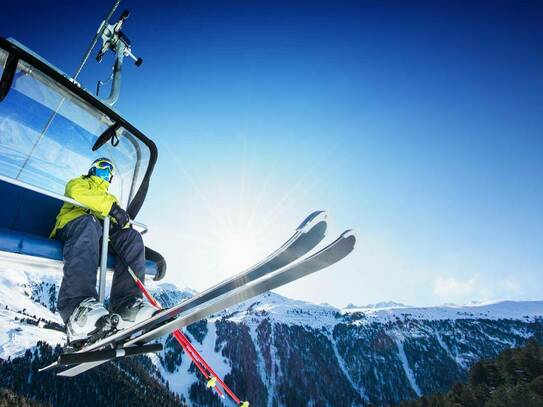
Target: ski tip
[[349, 234], [312, 220], [48, 367]]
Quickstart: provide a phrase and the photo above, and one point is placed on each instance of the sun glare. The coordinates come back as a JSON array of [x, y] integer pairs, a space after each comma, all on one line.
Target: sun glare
[[236, 251], [236, 216]]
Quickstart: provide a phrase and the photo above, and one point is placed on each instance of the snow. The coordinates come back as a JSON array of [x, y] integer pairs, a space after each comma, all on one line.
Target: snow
[[285, 310], [406, 368], [494, 310], [282, 309], [15, 292], [380, 305], [345, 371], [207, 349], [16, 289], [179, 381], [16, 337], [445, 347], [20, 294]]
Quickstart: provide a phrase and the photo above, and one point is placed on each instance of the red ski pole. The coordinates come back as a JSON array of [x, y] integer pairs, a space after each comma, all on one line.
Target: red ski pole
[[196, 362], [185, 343], [223, 385], [180, 338], [212, 372]]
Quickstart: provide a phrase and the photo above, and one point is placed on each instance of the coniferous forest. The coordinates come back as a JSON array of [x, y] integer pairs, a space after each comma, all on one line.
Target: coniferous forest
[[514, 378], [127, 382]]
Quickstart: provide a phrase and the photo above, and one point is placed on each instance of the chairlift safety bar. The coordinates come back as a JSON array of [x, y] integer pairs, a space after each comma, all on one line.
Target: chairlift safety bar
[[144, 228]]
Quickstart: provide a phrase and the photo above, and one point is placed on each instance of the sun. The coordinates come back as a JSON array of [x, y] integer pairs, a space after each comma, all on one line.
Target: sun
[[236, 250], [230, 216]]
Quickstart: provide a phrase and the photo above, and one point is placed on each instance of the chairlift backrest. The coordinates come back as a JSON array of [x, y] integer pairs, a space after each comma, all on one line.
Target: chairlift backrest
[[49, 125]]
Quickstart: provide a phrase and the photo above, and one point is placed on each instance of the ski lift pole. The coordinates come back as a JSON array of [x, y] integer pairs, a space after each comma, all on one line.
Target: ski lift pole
[[99, 33], [181, 338]]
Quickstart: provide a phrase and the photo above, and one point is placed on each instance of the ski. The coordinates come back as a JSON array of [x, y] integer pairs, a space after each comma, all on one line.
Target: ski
[[325, 257], [108, 354], [307, 235]]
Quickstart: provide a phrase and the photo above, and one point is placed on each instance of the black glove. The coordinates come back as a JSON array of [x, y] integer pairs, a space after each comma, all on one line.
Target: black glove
[[119, 214]]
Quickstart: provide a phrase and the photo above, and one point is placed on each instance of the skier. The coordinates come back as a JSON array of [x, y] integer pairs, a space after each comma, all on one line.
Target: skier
[[81, 230]]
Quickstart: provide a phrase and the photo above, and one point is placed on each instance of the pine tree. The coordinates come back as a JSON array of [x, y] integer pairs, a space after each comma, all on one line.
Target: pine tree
[[514, 379]]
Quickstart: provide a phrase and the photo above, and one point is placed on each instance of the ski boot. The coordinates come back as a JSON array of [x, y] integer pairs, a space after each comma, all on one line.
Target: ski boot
[[133, 311], [89, 322]]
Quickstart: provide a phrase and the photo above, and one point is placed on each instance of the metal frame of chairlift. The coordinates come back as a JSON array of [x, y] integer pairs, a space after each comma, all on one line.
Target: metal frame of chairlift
[[114, 40]]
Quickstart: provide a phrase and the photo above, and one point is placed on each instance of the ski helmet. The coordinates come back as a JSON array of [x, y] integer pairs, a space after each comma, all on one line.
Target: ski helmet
[[103, 168]]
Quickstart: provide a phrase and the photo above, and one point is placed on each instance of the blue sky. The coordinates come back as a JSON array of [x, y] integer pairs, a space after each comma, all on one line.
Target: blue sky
[[419, 124]]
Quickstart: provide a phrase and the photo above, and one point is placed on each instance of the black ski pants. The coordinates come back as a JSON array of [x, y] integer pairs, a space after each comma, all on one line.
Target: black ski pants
[[82, 241]]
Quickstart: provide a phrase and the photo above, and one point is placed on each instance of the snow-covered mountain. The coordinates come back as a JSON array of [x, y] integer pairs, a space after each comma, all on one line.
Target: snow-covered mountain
[[383, 304], [277, 351]]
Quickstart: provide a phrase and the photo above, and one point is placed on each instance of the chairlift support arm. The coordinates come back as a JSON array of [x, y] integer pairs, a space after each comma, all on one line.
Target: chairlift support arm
[[113, 39]]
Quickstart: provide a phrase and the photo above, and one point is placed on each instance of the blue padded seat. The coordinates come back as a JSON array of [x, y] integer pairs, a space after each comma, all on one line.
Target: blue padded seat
[[10, 240], [26, 219], [41, 247], [24, 243]]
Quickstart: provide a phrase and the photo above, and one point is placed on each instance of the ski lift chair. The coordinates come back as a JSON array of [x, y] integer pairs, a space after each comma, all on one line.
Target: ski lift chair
[[51, 129]]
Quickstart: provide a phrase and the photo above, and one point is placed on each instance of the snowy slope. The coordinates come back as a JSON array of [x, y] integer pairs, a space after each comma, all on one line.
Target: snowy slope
[[285, 310], [30, 297], [281, 309], [23, 303], [520, 310]]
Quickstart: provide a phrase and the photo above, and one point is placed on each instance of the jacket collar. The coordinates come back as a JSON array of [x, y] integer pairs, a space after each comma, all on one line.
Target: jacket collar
[[99, 183]]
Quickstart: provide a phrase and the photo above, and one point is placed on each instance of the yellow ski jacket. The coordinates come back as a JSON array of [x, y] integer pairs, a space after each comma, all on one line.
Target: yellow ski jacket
[[89, 191]]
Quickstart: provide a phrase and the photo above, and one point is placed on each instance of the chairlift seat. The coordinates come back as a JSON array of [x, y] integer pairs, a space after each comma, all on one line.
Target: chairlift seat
[[26, 219]]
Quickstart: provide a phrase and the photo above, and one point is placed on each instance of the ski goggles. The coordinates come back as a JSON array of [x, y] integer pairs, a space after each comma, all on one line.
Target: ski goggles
[[105, 174], [104, 169], [104, 165]]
